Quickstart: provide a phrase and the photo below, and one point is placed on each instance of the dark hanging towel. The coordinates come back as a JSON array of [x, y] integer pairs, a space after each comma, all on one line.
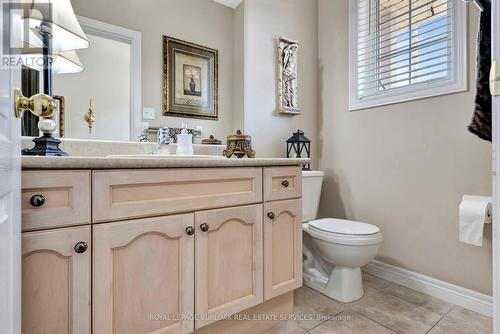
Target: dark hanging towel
[[481, 121]]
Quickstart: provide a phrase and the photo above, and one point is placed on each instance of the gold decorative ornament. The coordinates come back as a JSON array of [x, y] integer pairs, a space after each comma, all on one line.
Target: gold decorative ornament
[[211, 141], [90, 117], [239, 145], [61, 113], [40, 105]]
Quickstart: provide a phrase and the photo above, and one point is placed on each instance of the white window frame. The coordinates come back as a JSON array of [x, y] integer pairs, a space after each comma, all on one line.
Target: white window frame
[[455, 83]]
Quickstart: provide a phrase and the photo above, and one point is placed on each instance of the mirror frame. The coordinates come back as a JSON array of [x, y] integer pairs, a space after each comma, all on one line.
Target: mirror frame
[[134, 38]]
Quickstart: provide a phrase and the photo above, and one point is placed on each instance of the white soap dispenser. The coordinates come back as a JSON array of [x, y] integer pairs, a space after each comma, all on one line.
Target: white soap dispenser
[[184, 143]]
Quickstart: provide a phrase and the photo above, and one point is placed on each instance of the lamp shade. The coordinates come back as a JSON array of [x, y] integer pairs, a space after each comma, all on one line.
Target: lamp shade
[[59, 17], [62, 62], [67, 62]]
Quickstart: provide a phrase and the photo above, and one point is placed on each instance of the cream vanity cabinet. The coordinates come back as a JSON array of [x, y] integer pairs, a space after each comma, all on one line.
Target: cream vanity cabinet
[[228, 262], [143, 274], [56, 281], [56, 258], [282, 230], [282, 238], [166, 250]]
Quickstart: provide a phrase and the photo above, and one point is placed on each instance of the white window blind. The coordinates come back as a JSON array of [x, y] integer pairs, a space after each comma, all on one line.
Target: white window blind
[[405, 47]]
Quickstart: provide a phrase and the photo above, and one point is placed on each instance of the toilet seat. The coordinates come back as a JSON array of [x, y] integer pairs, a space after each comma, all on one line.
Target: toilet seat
[[344, 232], [342, 226]]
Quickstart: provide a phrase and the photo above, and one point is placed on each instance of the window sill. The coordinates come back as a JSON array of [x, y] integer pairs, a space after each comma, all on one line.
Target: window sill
[[426, 91]]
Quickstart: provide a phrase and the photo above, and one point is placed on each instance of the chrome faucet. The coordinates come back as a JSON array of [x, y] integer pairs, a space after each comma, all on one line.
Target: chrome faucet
[[163, 141]]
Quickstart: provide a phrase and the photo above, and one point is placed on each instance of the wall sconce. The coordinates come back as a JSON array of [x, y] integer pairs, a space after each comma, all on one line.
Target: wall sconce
[[90, 117]]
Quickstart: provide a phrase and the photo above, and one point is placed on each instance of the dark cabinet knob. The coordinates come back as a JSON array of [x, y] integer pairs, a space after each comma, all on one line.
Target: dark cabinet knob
[[37, 201], [204, 227], [285, 183], [189, 230], [271, 215], [81, 247]]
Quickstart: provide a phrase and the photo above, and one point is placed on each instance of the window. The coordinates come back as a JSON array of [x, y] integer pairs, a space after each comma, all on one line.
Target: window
[[403, 50]]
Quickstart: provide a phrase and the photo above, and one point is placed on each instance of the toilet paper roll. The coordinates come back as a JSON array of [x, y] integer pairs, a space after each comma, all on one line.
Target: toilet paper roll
[[475, 211]]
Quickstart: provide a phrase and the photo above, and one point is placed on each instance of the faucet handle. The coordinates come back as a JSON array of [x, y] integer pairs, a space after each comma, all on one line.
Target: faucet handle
[[198, 131], [143, 138]]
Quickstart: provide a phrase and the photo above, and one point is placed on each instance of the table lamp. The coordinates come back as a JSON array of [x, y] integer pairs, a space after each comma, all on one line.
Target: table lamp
[[51, 31]]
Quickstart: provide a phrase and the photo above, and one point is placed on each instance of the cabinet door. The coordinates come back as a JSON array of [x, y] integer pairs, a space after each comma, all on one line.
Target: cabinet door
[[228, 262], [282, 247], [143, 276], [56, 281]]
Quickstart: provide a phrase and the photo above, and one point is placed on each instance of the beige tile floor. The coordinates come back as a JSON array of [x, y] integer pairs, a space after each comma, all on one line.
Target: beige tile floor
[[386, 308]]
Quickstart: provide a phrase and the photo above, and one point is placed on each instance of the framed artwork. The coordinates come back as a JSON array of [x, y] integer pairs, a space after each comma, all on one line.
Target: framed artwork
[[190, 75], [59, 115]]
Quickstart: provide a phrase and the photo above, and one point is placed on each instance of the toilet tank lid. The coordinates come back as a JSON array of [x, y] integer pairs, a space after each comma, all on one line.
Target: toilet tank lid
[[313, 173], [342, 226]]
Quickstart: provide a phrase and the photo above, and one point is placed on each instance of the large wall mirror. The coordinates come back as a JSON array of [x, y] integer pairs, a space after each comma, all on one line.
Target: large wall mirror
[[110, 85], [123, 81]]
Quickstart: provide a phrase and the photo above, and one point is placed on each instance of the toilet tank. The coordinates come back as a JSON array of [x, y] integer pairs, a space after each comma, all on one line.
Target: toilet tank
[[311, 194]]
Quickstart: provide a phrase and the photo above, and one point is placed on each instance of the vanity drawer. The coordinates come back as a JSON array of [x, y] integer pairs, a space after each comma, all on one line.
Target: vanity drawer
[[126, 194], [55, 199], [282, 183]]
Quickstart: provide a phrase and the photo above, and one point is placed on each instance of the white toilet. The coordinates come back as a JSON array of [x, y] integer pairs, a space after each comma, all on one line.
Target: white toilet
[[334, 249]]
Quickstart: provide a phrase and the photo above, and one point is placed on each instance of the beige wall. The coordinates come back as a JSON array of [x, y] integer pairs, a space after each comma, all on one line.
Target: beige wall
[[265, 21], [402, 167], [239, 67], [198, 21]]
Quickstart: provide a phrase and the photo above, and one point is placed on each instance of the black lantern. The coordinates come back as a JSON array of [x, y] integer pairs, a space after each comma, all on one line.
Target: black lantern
[[297, 146]]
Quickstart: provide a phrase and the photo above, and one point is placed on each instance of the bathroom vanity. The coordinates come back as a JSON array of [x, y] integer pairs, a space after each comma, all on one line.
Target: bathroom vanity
[[127, 245]]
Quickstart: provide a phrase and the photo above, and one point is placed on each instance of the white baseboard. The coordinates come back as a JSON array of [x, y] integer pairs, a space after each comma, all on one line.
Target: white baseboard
[[450, 293]]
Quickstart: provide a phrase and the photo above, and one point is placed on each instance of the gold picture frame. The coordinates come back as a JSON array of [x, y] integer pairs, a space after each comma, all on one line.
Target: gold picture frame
[[190, 80], [59, 116]]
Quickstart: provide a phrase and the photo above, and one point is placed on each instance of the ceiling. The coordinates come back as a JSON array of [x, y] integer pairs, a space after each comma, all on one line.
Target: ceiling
[[229, 3]]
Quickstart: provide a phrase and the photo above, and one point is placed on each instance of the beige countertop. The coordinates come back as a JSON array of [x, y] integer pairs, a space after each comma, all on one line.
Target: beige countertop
[[75, 162]]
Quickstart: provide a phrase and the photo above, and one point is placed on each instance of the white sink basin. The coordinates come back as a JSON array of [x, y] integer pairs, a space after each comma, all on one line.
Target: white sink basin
[[172, 156]]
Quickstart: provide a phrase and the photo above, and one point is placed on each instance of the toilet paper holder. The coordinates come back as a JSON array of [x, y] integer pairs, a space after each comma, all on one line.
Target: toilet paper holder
[[484, 199], [474, 213], [489, 215]]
